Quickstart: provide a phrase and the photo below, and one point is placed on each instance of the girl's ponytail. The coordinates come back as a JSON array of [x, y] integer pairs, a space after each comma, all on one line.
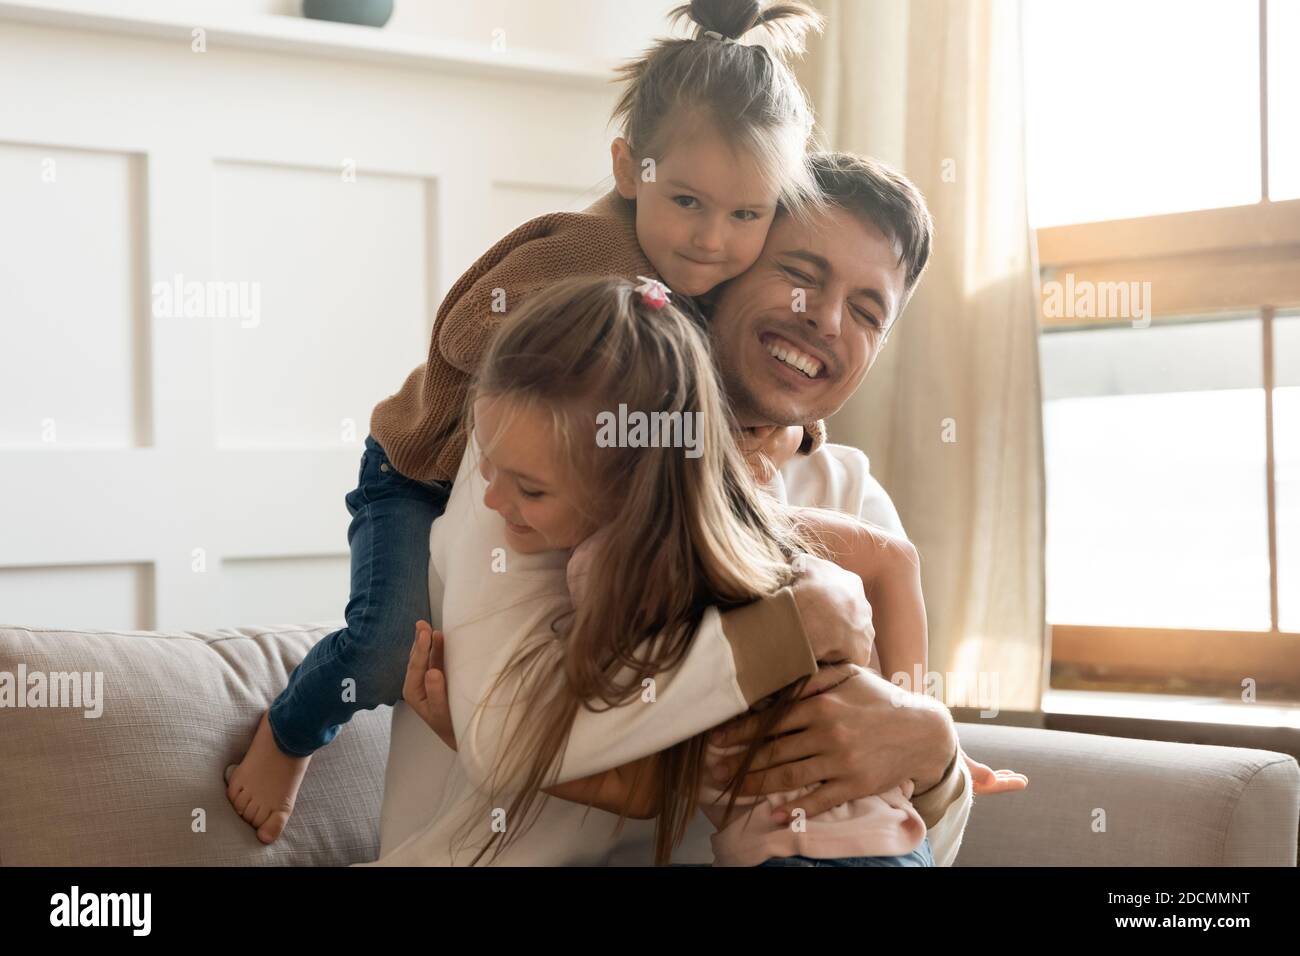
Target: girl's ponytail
[[786, 25]]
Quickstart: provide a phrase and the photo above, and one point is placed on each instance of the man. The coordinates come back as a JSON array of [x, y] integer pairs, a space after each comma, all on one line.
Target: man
[[793, 338]]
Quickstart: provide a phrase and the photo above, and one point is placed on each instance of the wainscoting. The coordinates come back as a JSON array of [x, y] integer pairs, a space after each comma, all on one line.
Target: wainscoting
[[180, 461]]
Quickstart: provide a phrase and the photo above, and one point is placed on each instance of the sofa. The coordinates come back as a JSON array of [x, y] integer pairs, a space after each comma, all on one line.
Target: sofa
[[122, 766]]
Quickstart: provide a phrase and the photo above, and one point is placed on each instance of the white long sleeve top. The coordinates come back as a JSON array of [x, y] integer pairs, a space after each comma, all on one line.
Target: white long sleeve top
[[495, 601]]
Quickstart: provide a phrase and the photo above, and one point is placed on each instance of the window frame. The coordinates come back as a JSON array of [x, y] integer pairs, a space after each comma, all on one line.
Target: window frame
[[1227, 260]]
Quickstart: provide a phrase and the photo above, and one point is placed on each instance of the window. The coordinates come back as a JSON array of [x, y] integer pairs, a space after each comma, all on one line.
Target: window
[[1140, 108], [1164, 174], [1283, 100], [1155, 453]]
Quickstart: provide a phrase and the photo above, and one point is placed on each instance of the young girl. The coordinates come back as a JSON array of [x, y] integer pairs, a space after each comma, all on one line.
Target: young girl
[[714, 133], [658, 536]]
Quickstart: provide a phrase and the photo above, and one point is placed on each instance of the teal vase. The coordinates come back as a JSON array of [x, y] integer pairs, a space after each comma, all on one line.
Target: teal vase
[[368, 13]]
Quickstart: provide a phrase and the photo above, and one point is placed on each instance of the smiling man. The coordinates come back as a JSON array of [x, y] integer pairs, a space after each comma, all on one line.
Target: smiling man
[[794, 337], [796, 334]]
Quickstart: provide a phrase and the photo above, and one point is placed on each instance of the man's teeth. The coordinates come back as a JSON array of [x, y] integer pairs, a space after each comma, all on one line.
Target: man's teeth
[[796, 359]]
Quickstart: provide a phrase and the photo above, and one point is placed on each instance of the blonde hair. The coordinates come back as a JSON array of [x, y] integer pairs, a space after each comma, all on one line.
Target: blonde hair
[[679, 534], [747, 91]]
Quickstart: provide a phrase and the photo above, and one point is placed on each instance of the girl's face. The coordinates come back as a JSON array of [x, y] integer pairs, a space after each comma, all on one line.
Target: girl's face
[[703, 216], [528, 483]]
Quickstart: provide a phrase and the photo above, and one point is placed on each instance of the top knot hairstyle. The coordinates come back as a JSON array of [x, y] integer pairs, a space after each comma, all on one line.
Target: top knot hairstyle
[[747, 91], [786, 24]]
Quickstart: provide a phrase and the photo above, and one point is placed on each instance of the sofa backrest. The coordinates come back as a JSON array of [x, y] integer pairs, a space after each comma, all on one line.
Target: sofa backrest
[[141, 783], [1114, 801]]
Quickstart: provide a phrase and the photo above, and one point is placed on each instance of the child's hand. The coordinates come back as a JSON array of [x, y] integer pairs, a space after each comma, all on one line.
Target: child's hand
[[425, 688], [767, 449], [985, 779]]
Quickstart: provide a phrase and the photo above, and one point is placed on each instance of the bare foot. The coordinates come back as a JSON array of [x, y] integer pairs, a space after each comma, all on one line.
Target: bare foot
[[264, 785]]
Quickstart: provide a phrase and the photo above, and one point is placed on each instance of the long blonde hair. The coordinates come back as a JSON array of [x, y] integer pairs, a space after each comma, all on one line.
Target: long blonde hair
[[679, 534]]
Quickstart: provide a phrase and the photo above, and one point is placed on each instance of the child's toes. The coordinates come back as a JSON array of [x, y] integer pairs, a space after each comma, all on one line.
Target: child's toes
[[270, 830], [251, 812]]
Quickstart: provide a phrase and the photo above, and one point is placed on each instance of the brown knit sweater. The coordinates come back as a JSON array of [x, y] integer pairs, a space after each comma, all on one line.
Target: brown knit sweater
[[421, 427]]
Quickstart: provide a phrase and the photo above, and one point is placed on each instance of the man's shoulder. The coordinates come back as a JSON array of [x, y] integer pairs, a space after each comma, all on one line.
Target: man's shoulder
[[839, 477], [827, 477], [848, 459]]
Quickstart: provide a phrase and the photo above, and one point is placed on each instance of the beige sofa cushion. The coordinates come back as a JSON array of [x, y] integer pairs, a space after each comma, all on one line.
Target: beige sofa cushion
[[1114, 801], [122, 788], [127, 787]]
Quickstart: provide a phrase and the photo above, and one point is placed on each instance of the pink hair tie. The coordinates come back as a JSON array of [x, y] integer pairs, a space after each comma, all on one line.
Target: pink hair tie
[[653, 293]]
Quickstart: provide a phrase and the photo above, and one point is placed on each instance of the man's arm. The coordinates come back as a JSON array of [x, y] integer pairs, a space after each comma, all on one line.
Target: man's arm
[[865, 735], [945, 808]]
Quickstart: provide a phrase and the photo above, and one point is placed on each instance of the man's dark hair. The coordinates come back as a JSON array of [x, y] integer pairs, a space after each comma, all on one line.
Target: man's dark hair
[[884, 197]]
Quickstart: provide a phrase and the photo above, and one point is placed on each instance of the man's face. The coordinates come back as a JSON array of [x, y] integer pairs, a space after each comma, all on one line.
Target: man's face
[[852, 287]]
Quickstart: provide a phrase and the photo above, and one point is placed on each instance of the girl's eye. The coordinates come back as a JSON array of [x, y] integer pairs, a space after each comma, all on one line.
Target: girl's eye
[[745, 215], [686, 202], [531, 494]]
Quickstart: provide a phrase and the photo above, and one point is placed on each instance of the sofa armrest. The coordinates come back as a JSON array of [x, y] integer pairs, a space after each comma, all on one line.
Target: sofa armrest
[[1114, 801]]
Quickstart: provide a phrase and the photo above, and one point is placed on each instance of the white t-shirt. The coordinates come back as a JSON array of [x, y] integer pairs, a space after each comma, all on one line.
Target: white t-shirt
[[493, 601]]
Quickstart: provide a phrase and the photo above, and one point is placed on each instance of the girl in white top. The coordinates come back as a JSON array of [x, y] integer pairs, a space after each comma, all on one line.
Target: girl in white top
[[599, 424]]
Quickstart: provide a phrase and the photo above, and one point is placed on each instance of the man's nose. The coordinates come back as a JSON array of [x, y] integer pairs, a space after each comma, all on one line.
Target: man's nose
[[825, 313]]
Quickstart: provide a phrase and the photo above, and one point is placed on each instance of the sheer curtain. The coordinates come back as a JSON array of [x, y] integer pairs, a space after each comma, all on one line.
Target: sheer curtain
[[951, 413]]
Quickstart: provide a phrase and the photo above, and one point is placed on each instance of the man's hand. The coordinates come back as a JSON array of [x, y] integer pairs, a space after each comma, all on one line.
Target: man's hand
[[834, 610], [425, 687], [860, 737]]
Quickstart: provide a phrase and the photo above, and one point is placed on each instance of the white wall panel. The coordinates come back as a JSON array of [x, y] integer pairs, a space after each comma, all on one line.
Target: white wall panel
[[194, 435], [514, 203], [72, 318], [287, 590], [95, 597], [333, 281]]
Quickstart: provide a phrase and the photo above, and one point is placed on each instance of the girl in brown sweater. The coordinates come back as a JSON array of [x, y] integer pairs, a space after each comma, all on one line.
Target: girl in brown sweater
[[715, 132]]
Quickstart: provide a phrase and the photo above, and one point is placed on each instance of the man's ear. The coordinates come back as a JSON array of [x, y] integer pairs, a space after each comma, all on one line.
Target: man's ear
[[624, 163]]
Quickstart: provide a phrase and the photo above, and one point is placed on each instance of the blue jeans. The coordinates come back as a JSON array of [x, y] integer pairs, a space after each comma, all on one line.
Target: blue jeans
[[921, 856], [389, 540]]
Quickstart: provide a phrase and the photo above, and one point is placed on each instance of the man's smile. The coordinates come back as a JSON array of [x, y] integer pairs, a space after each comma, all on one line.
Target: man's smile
[[793, 359]]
